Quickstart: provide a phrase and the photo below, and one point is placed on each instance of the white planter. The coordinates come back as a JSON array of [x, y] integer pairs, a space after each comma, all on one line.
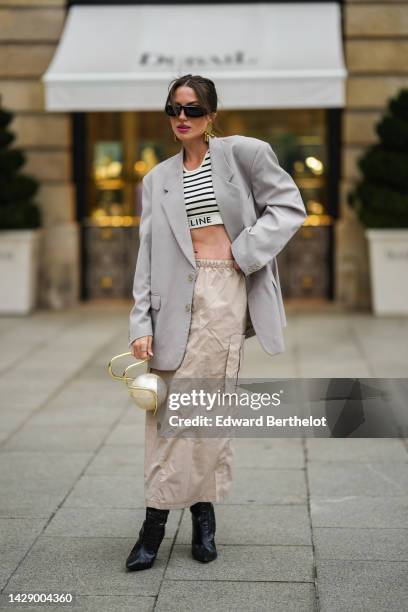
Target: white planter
[[388, 253], [19, 261]]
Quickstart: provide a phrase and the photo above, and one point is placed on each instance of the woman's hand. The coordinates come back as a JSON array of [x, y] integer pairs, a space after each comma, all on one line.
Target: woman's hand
[[142, 347]]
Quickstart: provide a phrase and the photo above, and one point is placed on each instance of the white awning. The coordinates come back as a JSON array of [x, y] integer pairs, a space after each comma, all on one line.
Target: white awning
[[259, 55]]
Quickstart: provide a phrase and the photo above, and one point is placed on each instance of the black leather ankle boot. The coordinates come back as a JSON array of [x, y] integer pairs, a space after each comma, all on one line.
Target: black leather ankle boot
[[203, 545], [143, 554]]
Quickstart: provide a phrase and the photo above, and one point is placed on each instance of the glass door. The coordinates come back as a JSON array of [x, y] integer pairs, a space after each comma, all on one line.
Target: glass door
[[123, 146]]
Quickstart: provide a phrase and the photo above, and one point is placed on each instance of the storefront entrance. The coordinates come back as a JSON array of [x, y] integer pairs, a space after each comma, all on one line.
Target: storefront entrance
[[118, 148]]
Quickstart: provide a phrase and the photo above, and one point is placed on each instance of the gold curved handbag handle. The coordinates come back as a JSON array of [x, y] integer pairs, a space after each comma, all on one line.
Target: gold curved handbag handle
[[126, 379], [110, 365], [132, 365]]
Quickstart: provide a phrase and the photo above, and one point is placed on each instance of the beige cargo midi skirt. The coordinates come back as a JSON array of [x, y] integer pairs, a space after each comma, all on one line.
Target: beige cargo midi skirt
[[179, 471]]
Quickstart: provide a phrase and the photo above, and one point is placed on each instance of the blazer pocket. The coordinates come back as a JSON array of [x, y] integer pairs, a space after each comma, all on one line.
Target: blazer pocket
[[274, 280], [155, 300], [271, 274], [250, 204], [250, 198]]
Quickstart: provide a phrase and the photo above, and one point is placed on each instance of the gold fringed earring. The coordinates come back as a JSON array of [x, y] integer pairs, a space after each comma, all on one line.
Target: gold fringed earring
[[175, 137], [208, 133]]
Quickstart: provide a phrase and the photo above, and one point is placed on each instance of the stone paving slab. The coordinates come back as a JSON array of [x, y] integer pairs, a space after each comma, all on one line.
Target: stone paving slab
[[355, 511], [32, 498], [268, 486], [71, 461], [13, 396], [96, 603], [105, 522], [374, 586], [104, 390], [120, 603], [11, 420], [204, 596], [86, 566], [255, 524], [107, 492], [343, 349], [354, 450], [244, 563], [133, 415], [319, 367], [276, 453], [125, 435], [34, 331], [16, 538], [363, 479], [118, 461], [37, 464], [57, 438], [77, 414], [361, 544]]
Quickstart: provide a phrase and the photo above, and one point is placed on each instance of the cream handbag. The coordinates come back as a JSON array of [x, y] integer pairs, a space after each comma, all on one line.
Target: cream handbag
[[148, 390]]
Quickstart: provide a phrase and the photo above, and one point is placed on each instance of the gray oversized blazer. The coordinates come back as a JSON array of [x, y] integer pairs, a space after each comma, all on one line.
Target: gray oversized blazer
[[261, 208]]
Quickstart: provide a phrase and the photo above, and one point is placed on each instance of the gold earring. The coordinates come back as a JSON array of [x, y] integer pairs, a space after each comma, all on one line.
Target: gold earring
[[208, 133], [175, 137]]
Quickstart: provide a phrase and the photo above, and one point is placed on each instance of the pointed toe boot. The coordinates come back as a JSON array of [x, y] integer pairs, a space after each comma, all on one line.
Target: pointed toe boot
[[144, 552], [203, 545]]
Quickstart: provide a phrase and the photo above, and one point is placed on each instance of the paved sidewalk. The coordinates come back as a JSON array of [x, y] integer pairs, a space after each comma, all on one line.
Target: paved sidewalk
[[309, 525]]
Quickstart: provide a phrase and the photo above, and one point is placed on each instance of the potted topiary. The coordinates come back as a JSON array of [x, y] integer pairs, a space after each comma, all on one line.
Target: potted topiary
[[20, 221], [380, 200]]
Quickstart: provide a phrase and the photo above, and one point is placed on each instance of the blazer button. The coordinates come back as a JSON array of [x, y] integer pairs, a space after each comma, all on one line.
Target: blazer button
[[187, 307], [190, 277]]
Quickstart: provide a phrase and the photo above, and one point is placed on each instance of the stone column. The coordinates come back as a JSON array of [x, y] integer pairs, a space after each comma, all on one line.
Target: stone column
[[29, 34], [376, 50]]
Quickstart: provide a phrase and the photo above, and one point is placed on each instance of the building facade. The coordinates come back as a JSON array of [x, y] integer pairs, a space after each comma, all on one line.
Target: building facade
[[87, 162]]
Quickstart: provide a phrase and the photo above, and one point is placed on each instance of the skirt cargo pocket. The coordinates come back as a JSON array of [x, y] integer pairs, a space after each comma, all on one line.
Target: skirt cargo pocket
[[235, 356]]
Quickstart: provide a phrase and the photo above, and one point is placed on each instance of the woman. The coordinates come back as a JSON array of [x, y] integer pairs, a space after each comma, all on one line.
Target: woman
[[214, 218]]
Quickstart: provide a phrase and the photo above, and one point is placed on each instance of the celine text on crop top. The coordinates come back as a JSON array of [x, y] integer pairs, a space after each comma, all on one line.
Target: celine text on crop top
[[199, 197]]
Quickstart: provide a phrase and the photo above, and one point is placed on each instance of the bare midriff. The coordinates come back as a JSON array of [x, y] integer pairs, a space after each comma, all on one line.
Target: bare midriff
[[211, 242]]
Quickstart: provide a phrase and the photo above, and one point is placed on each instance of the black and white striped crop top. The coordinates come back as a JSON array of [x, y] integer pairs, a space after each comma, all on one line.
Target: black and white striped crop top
[[202, 208]]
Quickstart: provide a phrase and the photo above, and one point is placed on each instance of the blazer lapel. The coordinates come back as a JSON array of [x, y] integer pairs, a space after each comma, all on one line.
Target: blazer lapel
[[227, 194], [173, 204]]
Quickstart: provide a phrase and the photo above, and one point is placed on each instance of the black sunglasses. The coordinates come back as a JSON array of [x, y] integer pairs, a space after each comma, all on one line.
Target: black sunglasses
[[189, 111]]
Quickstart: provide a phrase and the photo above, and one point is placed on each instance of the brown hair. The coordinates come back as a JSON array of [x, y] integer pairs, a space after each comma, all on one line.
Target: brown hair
[[203, 88]]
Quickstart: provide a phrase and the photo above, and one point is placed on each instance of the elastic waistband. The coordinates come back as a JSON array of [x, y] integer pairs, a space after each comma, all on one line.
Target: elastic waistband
[[215, 263]]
